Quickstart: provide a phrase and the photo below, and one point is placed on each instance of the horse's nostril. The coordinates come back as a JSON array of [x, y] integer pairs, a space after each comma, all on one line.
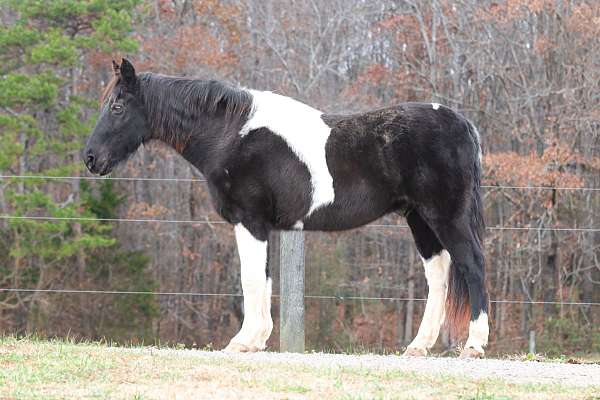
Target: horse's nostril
[[90, 160]]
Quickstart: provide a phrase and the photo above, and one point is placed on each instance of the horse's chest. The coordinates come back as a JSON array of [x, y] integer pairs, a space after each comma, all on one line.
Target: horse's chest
[[223, 203]]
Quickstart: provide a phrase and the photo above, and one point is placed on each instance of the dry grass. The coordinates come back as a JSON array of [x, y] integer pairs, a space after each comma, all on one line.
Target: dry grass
[[34, 369]]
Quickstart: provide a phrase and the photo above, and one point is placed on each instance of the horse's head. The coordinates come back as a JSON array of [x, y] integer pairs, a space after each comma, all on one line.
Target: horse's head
[[122, 125]]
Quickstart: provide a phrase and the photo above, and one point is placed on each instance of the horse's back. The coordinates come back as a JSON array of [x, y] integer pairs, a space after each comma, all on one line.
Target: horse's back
[[398, 139], [423, 124], [393, 158]]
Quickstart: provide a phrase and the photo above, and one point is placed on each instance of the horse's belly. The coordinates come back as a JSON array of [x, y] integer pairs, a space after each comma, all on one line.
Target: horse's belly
[[350, 210]]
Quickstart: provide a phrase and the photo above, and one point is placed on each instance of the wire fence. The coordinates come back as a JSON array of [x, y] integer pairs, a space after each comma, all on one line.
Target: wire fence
[[307, 296], [206, 220]]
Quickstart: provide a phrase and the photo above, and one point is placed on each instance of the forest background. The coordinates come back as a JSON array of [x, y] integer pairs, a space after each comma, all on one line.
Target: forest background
[[526, 72]]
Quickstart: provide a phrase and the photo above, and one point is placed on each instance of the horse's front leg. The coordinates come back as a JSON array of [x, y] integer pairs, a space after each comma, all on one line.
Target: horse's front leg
[[256, 286]]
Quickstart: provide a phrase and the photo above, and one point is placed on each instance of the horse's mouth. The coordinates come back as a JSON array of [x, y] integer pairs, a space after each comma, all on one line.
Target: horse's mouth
[[106, 169]]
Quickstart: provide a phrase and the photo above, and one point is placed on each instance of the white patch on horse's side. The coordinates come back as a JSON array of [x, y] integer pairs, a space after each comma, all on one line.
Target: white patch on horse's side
[[479, 330], [256, 287], [435, 105], [305, 133], [299, 225], [437, 272]]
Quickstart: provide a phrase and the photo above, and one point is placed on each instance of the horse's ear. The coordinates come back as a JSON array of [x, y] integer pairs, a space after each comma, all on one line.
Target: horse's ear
[[116, 68], [127, 71]]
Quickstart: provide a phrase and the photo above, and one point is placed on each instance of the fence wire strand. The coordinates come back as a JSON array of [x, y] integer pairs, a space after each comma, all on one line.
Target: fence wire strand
[[169, 221], [307, 296], [211, 222], [101, 178], [133, 178]]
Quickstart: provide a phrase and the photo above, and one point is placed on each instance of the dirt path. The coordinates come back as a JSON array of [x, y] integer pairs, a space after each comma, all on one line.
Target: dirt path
[[581, 375]]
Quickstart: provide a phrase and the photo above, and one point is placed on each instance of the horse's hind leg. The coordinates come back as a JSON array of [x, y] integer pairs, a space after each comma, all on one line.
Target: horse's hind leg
[[436, 262], [256, 286], [461, 241]]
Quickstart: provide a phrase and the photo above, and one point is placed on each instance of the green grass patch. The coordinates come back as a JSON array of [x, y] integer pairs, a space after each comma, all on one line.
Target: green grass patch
[[31, 368]]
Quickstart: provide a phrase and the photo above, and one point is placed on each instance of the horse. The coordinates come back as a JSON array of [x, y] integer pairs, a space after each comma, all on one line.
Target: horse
[[274, 163]]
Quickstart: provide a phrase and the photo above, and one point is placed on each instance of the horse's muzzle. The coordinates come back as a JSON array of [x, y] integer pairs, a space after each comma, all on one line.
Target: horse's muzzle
[[94, 165]]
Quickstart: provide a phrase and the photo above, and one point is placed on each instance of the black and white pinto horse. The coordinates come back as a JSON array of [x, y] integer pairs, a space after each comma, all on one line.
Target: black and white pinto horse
[[274, 163]]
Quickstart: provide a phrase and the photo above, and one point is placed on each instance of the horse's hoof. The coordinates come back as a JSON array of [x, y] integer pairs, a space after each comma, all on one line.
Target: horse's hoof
[[414, 352], [240, 348], [469, 352]]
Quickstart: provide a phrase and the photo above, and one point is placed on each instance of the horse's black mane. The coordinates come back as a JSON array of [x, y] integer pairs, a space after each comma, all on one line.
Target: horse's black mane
[[172, 102]]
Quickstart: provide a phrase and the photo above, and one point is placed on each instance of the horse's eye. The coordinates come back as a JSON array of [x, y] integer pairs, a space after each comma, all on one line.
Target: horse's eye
[[117, 108]]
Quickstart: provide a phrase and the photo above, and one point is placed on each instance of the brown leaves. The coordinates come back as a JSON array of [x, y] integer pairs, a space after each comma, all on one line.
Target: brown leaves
[[508, 11], [585, 20], [369, 84], [205, 36], [554, 168]]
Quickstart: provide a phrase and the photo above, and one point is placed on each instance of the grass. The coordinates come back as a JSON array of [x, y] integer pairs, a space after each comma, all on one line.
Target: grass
[[40, 369]]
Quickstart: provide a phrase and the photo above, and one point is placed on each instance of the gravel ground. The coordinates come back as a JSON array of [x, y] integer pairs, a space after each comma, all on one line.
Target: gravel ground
[[582, 375]]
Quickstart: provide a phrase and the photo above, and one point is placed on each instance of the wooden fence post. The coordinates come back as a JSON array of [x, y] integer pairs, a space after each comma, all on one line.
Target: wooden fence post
[[532, 342], [291, 309]]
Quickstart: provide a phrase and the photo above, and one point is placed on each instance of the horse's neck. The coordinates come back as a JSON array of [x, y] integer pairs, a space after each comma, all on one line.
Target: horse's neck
[[204, 140], [201, 139], [206, 146]]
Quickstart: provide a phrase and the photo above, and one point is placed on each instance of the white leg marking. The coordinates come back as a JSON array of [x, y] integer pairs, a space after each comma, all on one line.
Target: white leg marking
[[299, 225], [479, 331], [435, 105], [437, 272], [304, 131], [257, 325]]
